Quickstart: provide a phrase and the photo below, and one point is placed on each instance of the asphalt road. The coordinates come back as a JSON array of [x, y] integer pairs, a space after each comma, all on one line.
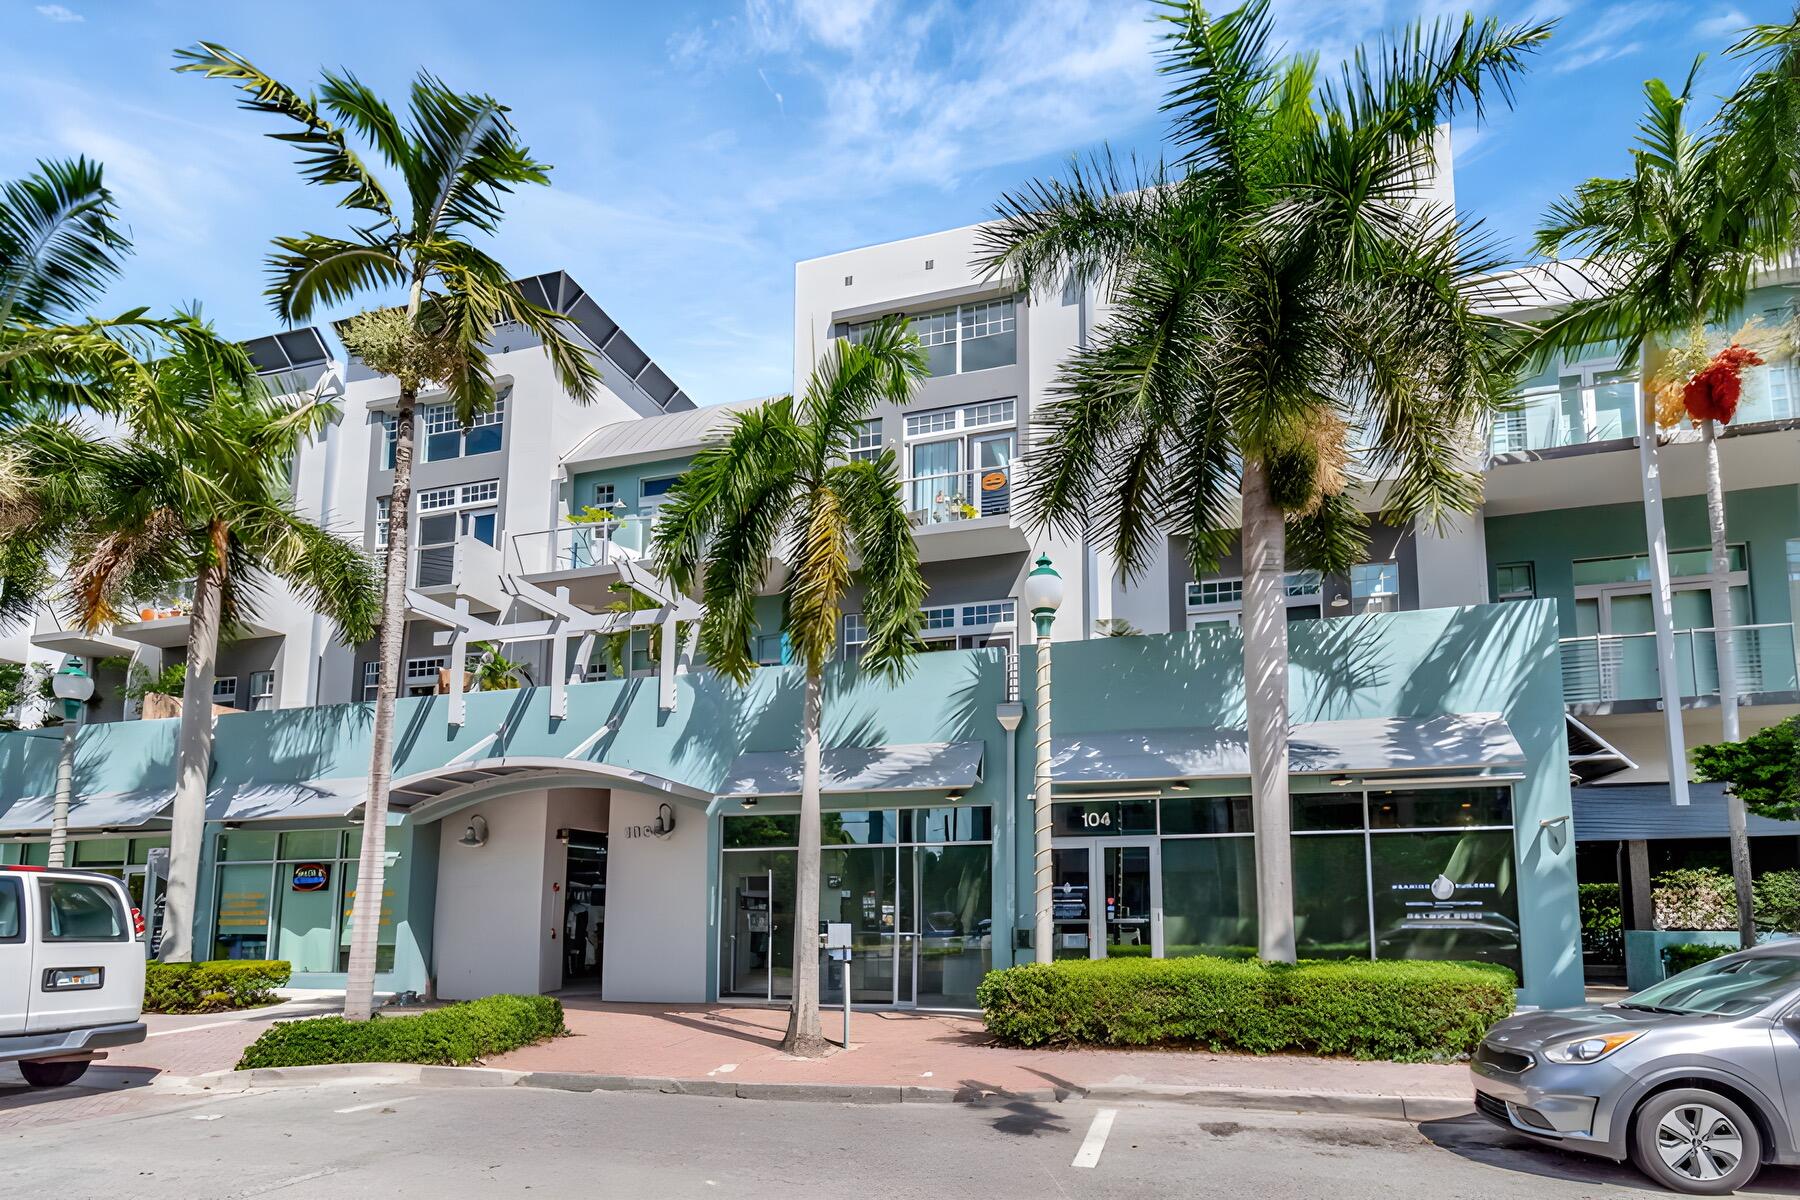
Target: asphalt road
[[406, 1141]]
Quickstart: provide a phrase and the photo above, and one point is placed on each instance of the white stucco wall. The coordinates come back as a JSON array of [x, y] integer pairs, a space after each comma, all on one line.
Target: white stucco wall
[[489, 907], [1452, 562], [656, 905]]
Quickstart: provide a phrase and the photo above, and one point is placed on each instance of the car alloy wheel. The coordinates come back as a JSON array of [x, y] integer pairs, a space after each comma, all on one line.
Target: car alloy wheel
[[1700, 1142], [1696, 1141]]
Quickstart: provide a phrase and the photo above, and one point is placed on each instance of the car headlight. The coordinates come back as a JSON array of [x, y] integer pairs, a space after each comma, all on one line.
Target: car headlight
[[1587, 1050]]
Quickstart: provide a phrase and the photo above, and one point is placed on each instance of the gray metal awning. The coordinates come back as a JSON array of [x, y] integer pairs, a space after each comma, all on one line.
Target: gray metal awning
[[292, 800], [918, 767], [107, 810], [1643, 812], [1591, 757], [1465, 741]]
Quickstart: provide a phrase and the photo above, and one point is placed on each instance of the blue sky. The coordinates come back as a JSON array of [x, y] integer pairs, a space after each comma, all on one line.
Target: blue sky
[[702, 148]]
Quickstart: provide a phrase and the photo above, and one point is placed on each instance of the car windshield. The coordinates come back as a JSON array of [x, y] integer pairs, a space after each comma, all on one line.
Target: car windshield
[[1727, 987]]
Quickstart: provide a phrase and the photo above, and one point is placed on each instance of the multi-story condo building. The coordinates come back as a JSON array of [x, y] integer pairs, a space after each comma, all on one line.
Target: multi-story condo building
[[1445, 692]]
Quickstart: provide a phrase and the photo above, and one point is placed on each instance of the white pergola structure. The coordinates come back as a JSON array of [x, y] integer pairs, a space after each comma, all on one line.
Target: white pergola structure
[[562, 621]]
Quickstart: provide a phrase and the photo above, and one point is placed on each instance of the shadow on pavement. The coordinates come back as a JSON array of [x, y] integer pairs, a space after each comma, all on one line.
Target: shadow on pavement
[[1479, 1140], [16, 1094], [1018, 1117]]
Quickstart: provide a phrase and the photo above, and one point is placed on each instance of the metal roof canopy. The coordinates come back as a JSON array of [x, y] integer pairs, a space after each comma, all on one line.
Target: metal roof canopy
[[108, 810], [1592, 757], [913, 767], [1630, 812], [287, 351], [1465, 741]]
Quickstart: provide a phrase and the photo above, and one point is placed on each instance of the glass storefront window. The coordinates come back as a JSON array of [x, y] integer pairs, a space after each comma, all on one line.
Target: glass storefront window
[[309, 843], [1209, 896], [1206, 814], [246, 845], [1440, 808], [1327, 810], [1445, 896], [871, 827], [242, 929], [100, 852], [141, 847], [303, 922], [761, 829], [1331, 889], [971, 824], [758, 951], [1103, 818], [384, 938], [955, 940]]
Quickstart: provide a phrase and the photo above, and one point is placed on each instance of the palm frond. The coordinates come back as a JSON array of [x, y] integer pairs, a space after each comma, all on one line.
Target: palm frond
[[59, 241], [893, 589], [316, 271], [469, 156], [325, 154]]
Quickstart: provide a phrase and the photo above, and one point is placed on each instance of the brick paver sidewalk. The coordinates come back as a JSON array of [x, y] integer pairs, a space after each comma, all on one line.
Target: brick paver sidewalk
[[930, 1050]]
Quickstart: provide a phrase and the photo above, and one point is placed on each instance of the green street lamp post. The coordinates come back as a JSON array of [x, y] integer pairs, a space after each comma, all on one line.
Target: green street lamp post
[[1043, 596], [74, 687]]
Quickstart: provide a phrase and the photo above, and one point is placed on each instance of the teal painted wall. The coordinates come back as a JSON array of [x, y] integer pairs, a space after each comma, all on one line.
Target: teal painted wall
[[1494, 658], [625, 480], [1762, 518]]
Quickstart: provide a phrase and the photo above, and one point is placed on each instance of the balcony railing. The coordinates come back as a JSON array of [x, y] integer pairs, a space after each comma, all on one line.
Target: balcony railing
[[1551, 417], [1622, 666], [581, 545], [468, 565], [958, 495]]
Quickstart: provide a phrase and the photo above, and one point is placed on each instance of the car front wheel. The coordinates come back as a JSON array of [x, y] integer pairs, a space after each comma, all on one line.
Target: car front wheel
[[1696, 1141], [52, 1074]]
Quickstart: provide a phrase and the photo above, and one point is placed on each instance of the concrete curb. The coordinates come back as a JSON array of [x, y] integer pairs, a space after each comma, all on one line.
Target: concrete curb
[[1358, 1104]]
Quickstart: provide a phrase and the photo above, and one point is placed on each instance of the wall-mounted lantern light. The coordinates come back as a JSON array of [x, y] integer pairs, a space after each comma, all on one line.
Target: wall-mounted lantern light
[[476, 832], [665, 821]]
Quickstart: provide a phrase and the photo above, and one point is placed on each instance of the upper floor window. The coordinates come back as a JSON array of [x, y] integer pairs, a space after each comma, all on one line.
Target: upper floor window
[[653, 491], [445, 437], [1376, 586], [963, 337], [225, 690], [262, 690], [947, 627], [1218, 601], [1514, 581], [1635, 568], [868, 441]]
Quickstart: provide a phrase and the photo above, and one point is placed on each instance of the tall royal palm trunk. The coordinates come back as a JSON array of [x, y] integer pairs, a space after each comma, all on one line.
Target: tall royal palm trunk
[[1266, 704], [187, 824], [1737, 824], [803, 1036], [371, 868]]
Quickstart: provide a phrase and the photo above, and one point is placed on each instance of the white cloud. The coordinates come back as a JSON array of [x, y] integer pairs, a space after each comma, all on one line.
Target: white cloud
[[58, 13], [1725, 23], [1607, 37]]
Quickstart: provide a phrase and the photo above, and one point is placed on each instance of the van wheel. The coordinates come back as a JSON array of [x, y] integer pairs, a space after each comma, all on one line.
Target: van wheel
[[52, 1074], [1696, 1141]]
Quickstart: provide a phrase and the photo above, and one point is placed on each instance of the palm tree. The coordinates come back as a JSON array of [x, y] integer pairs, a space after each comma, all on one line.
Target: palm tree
[[196, 492], [782, 476], [1288, 286], [457, 157], [494, 672], [1668, 248], [60, 244]]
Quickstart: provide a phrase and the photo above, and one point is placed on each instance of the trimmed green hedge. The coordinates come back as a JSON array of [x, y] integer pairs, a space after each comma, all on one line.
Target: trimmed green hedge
[[1691, 954], [455, 1035], [212, 986], [1398, 1011]]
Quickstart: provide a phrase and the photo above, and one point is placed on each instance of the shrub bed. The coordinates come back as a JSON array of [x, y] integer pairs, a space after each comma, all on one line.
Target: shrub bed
[[1398, 1011], [1691, 954], [455, 1035], [212, 986]]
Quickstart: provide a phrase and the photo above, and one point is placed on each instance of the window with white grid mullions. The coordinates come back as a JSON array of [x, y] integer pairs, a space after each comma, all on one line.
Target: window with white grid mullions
[[993, 612], [940, 420], [868, 441], [371, 679], [1215, 591], [994, 412], [986, 320], [939, 618], [855, 634], [485, 492], [435, 498], [936, 328]]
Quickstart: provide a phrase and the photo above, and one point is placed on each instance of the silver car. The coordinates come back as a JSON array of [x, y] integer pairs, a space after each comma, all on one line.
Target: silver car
[[1696, 1080]]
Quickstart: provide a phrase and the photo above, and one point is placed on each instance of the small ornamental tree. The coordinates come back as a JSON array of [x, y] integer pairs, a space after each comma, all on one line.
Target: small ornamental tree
[[1764, 769]]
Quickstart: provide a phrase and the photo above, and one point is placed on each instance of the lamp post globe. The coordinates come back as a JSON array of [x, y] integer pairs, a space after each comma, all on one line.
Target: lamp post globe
[[74, 687]]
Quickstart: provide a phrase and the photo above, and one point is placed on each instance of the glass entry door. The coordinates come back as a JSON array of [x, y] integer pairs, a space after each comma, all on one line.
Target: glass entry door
[[1106, 898]]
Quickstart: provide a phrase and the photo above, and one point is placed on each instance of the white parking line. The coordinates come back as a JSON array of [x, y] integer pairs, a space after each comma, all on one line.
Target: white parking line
[[356, 1108], [192, 1028], [1095, 1141], [724, 1069]]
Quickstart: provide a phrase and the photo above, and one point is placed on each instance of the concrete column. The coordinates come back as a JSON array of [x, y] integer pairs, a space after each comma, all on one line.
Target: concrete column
[[1641, 913]]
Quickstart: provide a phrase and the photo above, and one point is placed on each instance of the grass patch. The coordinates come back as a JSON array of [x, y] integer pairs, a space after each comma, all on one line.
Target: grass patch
[[1396, 1011], [455, 1035]]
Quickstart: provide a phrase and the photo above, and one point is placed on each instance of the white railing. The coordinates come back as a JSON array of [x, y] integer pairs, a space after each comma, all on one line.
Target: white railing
[[581, 545], [958, 495], [468, 567], [1549, 417], [1622, 666]]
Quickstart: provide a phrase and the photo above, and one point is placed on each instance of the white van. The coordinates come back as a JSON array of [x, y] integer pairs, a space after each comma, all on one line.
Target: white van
[[71, 971]]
